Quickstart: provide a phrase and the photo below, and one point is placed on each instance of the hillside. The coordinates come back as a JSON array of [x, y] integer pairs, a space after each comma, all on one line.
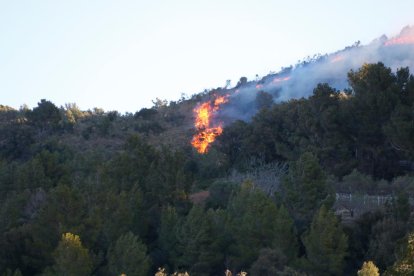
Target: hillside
[[315, 162]]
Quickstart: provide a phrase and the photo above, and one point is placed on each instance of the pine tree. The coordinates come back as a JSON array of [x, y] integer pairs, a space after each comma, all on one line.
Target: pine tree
[[128, 256], [285, 234], [254, 222], [326, 244], [167, 236], [71, 258], [199, 242], [305, 189]]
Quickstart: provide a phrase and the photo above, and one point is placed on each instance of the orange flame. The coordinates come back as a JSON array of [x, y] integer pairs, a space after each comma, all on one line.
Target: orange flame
[[276, 80], [206, 131], [408, 39], [337, 58], [259, 86]]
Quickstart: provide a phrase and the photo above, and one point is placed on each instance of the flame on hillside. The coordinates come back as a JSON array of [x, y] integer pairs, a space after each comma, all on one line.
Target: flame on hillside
[[207, 130], [276, 80], [337, 58], [406, 39]]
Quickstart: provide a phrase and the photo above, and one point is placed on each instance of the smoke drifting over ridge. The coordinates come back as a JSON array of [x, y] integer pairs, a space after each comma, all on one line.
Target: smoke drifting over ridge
[[300, 80]]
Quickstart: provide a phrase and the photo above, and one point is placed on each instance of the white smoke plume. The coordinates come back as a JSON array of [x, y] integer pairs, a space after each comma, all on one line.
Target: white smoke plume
[[300, 80]]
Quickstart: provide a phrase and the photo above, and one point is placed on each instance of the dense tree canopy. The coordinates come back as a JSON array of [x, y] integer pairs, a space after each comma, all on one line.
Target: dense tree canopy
[[312, 186]]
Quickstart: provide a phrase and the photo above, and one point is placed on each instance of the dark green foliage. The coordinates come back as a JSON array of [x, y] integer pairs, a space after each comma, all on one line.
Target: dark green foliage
[[263, 100], [241, 82], [376, 95], [168, 238], [384, 239], [64, 211], [368, 127], [326, 244], [359, 235], [356, 182], [232, 142], [45, 116], [130, 196], [285, 233], [270, 262], [254, 222], [15, 141], [70, 258], [305, 190], [128, 256], [123, 208], [402, 207], [200, 244], [219, 194], [145, 113], [12, 273]]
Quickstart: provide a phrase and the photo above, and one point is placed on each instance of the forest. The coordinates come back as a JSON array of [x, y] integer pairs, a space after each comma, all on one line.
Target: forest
[[102, 193]]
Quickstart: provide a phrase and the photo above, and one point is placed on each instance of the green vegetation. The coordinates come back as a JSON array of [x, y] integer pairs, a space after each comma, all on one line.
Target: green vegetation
[[102, 193]]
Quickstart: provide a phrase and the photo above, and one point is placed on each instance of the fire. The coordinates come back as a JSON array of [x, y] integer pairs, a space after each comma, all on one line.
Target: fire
[[206, 130], [259, 86], [220, 100], [276, 80], [203, 115], [408, 39], [337, 58]]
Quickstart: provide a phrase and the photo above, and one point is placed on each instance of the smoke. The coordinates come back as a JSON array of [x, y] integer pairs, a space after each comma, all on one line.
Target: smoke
[[299, 81]]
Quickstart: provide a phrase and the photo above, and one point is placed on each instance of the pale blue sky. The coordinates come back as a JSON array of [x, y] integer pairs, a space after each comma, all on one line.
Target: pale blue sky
[[119, 55]]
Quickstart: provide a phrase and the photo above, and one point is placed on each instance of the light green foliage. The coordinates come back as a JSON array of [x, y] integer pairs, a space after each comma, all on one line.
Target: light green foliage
[[71, 258], [368, 269], [128, 255]]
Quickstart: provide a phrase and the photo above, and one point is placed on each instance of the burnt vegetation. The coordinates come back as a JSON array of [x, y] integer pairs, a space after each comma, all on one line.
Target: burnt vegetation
[[311, 186]]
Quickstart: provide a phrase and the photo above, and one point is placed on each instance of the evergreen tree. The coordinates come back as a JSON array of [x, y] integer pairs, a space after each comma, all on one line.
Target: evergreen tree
[[254, 222], [128, 256], [45, 116], [305, 190], [199, 243], [269, 263], [376, 93], [285, 234], [167, 236], [71, 258], [326, 244]]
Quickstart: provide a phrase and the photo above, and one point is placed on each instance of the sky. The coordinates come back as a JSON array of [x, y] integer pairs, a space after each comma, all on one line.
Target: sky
[[122, 55]]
